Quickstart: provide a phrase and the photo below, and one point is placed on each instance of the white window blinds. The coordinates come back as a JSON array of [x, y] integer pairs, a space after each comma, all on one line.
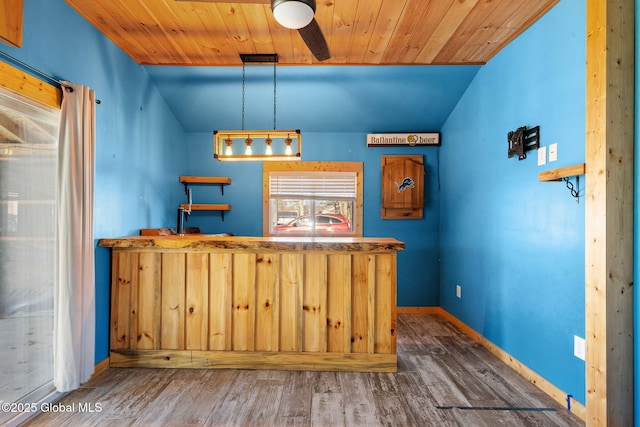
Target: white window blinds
[[313, 185]]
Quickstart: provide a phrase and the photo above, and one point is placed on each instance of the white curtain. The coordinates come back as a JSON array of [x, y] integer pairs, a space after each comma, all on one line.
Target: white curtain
[[74, 314]]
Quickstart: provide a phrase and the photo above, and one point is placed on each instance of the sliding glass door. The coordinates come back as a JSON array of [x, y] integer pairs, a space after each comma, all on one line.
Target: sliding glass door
[[28, 159]]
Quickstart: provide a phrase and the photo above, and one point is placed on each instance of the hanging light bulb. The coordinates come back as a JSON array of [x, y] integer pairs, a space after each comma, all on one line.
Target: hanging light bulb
[[248, 151], [268, 141], [288, 142], [228, 151]]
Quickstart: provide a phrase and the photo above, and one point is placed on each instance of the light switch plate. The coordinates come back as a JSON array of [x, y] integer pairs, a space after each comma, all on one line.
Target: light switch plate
[[553, 152], [542, 156], [579, 347]]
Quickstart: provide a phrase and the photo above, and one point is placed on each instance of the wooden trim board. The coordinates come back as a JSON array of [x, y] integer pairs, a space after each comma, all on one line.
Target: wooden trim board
[[25, 84], [99, 368], [419, 310], [311, 361]]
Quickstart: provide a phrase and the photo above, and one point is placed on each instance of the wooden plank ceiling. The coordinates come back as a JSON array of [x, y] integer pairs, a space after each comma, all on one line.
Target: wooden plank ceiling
[[359, 32]]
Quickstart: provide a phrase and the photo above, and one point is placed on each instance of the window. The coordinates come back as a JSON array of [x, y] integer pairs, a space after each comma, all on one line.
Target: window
[[28, 170], [312, 198]]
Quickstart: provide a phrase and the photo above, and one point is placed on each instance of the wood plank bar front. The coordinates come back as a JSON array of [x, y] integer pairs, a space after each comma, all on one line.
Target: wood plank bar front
[[254, 303]]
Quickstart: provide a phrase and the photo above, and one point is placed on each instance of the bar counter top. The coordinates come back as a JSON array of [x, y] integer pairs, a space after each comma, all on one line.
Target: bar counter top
[[279, 243]]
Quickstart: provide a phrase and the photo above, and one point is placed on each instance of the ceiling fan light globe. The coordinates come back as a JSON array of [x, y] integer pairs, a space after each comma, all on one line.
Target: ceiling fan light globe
[[293, 14]]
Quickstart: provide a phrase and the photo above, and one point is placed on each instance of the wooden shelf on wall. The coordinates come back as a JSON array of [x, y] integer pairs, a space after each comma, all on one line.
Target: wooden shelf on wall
[[208, 180], [558, 174], [206, 206], [205, 180]]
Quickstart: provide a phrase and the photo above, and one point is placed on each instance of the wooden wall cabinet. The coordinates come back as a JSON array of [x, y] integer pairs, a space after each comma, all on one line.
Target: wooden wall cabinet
[[402, 187], [11, 12]]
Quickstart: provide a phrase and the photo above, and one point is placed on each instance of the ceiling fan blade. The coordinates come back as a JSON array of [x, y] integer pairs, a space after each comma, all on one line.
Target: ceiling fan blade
[[315, 41]]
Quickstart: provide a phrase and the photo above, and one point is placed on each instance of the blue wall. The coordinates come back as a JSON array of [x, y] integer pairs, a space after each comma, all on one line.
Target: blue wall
[[516, 245], [138, 139], [340, 99]]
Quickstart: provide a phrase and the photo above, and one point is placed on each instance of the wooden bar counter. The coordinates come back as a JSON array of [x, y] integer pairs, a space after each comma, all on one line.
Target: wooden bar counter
[[199, 301]]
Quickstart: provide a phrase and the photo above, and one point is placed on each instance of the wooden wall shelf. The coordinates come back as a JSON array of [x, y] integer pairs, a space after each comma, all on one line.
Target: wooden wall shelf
[[558, 174], [206, 206], [209, 180], [205, 180]]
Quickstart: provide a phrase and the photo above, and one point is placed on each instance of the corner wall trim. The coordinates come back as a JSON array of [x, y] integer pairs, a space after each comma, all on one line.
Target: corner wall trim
[[99, 368], [551, 390]]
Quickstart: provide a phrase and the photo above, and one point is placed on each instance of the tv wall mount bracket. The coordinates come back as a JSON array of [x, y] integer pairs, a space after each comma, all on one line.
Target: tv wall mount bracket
[[522, 140]]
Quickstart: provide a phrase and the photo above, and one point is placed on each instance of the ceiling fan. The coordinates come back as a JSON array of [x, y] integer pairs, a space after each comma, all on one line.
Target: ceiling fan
[[297, 15]]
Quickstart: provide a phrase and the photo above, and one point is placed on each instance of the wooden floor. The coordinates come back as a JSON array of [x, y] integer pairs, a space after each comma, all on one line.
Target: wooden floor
[[443, 379]]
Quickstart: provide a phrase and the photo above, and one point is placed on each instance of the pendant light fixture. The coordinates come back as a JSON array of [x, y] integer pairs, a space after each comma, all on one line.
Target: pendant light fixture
[[257, 145]]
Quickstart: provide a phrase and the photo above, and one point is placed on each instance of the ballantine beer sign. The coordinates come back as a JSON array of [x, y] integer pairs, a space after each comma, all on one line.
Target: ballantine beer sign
[[402, 139]]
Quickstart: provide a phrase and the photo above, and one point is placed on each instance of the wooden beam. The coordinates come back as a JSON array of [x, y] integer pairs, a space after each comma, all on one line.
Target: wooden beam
[[609, 212], [22, 83]]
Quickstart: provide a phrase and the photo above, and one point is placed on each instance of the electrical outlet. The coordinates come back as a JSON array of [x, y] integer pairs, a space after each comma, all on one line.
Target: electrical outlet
[[579, 347], [459, 291]]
